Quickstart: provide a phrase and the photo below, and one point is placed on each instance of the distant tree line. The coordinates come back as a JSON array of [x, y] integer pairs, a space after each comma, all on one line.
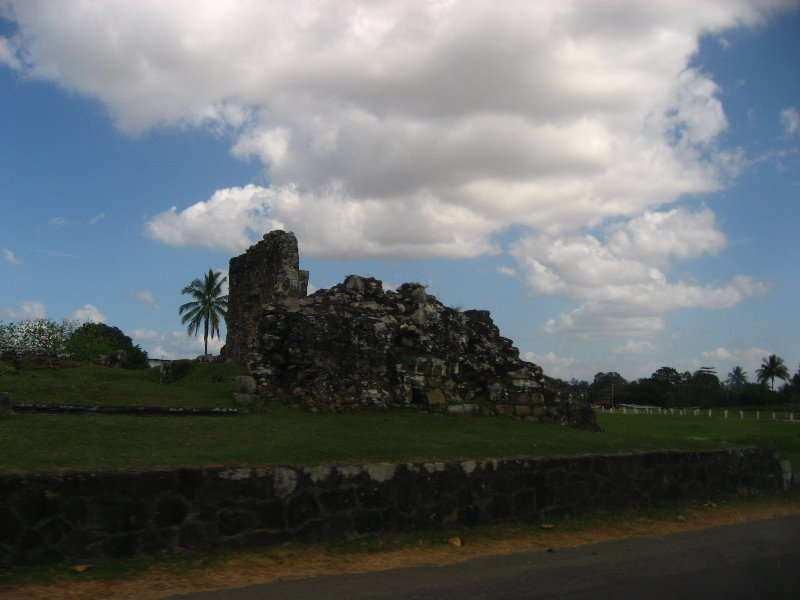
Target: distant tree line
[[667, 387], [69, 339]]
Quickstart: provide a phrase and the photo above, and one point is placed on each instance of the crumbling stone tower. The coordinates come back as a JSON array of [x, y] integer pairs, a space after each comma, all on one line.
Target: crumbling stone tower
[[268, 270]]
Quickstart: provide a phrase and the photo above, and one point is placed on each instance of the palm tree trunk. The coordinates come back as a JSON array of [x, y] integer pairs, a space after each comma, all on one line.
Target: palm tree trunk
[[205, 338]]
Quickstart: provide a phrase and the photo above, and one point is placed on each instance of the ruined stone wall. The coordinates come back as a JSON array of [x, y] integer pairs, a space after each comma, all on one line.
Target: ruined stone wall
[[357, 346], [269, 269], [86, 515]]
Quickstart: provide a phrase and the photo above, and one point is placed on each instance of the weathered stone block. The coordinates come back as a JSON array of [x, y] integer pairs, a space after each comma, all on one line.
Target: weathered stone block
[[522, 410], [273, 515], [435, 397], [174, 370], [246, 384], [10, 526], [199, 536], [464, 409], [302, 508], [234, 520], [170, 510]]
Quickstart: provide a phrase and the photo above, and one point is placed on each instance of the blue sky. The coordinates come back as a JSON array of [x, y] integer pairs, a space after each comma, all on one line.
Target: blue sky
[[617, 183]]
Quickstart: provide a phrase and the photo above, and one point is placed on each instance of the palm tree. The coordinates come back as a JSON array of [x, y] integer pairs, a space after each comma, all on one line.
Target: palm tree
[[737, 378], [772, 367], [207, 307]]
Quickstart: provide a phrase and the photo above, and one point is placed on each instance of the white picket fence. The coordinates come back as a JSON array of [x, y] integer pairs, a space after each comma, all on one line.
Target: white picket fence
[[726, 413]]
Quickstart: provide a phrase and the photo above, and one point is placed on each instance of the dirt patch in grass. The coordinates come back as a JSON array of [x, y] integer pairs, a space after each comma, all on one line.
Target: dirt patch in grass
[[180, 576]]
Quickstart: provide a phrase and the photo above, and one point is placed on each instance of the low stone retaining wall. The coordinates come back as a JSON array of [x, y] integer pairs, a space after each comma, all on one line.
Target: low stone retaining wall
[[83, 515], [109, 409]]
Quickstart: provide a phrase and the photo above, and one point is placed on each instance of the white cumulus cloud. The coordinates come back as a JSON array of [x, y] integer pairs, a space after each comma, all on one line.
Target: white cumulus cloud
[[622, 284], [173, 345], [634, 348], [510, 271], [419, 129], [88, 313], [146, 297], [331, 225], [59, 222], [554, 365], [11, 257], [656, 237], [227, 221], [790, 119], [27, 310], [593, 322]]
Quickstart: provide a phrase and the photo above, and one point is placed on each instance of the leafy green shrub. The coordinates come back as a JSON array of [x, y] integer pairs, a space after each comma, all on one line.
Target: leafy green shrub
[[175, 370], [37, 336], [91, 340]]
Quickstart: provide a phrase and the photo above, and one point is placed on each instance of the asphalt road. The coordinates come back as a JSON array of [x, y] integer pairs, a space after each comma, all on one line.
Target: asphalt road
[[757, 560]]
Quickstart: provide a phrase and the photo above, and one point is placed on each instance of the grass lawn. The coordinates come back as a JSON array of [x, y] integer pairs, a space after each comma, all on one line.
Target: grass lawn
[[284, 436], [280, 435], [208, 384], [695, 432]]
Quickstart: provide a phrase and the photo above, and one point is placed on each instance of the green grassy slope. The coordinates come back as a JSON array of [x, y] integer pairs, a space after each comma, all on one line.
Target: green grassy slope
[[281, 435], [208, 384]]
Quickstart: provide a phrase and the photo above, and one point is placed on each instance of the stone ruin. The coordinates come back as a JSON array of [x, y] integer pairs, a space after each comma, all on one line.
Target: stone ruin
[[268, 272], [357, 346]]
